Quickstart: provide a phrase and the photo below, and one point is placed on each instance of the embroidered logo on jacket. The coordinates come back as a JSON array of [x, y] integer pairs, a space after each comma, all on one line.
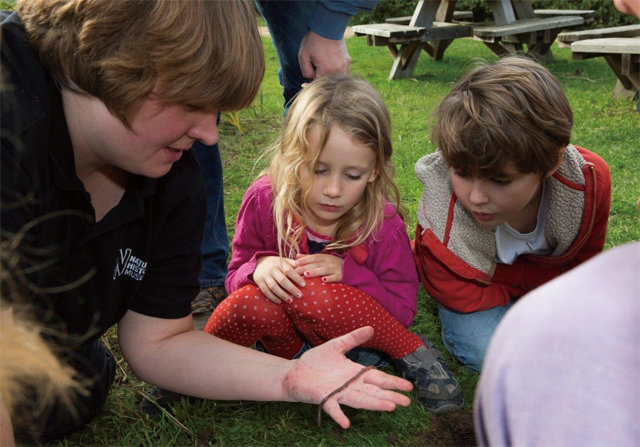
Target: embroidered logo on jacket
[[129, 265]]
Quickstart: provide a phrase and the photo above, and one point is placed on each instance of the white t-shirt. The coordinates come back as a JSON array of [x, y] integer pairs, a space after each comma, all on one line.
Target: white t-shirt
[[511, 243]]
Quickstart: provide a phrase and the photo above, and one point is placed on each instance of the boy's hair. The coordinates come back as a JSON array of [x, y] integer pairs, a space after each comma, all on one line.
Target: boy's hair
[[202, 53], [513, 110], [357, 108]]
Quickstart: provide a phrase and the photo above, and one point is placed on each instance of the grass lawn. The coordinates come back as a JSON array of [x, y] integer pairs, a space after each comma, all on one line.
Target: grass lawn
[[609, 127]]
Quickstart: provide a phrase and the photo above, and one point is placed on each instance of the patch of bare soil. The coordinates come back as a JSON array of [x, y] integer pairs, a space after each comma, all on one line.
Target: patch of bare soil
[[454, 429]]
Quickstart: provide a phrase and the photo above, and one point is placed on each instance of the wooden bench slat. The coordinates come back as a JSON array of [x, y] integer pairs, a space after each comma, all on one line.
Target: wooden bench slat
[[457, 15], [615, 31], [587, 14], [609, 45], [564, 12], [525, 26], [388, 30], [446, 31], [398, 20], [404, 33]]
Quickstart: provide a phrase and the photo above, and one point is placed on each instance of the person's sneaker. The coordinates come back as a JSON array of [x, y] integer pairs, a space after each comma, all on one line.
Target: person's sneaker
[[434, 385], [204, 303]]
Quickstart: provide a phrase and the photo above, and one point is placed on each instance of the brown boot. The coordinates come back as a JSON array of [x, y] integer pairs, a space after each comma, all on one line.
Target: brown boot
[[203, 304]]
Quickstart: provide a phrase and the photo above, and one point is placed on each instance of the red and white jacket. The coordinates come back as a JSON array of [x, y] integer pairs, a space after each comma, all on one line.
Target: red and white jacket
[[454, 254]]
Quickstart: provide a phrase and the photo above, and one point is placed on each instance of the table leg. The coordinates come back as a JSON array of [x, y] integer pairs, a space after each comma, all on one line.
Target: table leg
[[404, 60], [438, 48], [628, 82], [498, 49]]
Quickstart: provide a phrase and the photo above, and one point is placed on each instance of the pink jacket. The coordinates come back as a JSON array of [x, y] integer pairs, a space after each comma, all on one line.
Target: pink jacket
[[382, 266]]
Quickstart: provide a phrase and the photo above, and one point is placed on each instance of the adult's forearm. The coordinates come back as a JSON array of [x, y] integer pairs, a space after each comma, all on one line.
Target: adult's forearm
[[212, 368], [168, 353], [199, 364], [330, 17]]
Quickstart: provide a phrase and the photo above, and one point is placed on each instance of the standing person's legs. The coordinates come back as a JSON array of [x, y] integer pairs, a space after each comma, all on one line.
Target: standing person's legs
[[215, 243], [466, 336], [287, 23], [214, 249]]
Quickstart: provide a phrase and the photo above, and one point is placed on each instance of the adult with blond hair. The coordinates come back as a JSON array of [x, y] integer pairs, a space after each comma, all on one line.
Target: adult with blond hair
[[101, 102]]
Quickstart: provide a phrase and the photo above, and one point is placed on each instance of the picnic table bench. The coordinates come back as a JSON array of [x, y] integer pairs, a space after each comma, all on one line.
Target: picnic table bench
[[587, 14], [624, 65], [458, 16], [467, 16], [516, 25], [623, 56], [569, 37], [435, 24], [430, 28], [537, 34]]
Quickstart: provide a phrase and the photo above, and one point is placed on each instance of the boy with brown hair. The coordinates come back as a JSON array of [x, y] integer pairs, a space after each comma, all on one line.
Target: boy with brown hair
[[104, 203], [508, 202]]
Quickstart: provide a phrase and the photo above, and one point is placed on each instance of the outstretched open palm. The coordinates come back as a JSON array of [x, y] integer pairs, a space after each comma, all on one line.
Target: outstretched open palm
[[323, 369]]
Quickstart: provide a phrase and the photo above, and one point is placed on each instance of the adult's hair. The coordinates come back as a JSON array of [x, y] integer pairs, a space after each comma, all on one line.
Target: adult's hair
[[354, 106], [513, 110], [201, 53]]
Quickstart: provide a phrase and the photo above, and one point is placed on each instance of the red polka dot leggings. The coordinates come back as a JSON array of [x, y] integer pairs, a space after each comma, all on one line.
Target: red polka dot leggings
[[325, 311]]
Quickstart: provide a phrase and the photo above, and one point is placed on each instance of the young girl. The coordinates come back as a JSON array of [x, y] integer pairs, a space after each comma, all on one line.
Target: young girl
[[320, 246]]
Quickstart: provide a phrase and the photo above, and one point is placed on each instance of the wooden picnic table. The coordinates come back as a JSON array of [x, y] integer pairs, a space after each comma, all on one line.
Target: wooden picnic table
[[516, 25], [620, 54], [623, 56], [431, 28], [467, 16], [435, 24]]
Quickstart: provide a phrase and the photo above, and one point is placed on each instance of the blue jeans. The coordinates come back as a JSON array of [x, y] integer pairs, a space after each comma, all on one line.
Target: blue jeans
[[466, 336], [215, 244], [287, 23]]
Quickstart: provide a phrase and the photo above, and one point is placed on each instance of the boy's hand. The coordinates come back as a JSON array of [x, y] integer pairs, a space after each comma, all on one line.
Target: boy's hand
[[277, 279], [327, 266]]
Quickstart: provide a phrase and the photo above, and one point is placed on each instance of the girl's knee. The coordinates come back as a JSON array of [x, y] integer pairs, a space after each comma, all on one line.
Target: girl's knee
[[320, 298], [248, 303]]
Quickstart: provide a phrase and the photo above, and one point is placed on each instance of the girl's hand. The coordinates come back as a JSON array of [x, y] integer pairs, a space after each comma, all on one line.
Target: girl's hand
[[327, 266], [277, 278]]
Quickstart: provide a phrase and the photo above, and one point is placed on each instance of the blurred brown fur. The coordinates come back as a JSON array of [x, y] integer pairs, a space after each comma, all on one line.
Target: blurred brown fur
[[28, 365]]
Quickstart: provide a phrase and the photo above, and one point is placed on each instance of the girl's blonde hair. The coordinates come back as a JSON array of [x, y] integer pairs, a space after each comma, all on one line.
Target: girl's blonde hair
[[357, 108]]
